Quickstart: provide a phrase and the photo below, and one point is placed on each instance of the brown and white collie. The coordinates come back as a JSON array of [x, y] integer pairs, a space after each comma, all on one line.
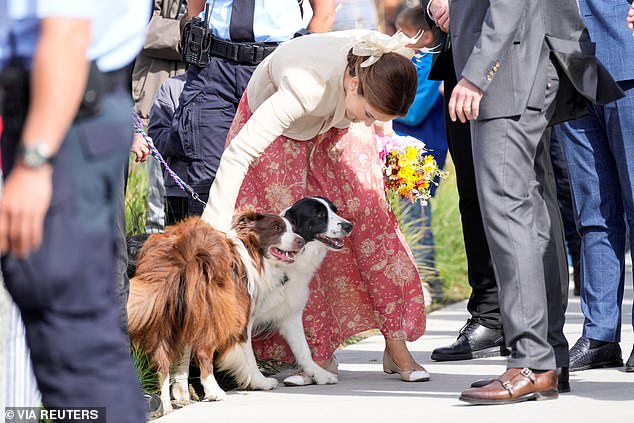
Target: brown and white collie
[[192, 295]]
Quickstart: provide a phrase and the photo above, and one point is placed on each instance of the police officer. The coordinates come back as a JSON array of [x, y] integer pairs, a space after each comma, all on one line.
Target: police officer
[[66, 110], [244, 32]]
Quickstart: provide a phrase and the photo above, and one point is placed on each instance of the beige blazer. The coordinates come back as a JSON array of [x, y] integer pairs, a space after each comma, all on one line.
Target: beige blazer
[[297, 92]]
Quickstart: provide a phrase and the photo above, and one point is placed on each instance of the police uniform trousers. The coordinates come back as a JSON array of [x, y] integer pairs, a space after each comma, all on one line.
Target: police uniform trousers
[[201, 122], [65, 290]]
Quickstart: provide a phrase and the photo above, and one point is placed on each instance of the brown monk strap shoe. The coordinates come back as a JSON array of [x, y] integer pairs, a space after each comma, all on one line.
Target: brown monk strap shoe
[[515, 385], [563, 380]]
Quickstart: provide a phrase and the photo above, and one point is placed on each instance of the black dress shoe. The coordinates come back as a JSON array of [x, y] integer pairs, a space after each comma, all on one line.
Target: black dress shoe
[[563, 381], [629, 366], [584, 358], [474, 341]]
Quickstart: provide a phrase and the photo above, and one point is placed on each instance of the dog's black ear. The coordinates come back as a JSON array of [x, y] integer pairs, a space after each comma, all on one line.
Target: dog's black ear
[[330, 203], [291, 215]]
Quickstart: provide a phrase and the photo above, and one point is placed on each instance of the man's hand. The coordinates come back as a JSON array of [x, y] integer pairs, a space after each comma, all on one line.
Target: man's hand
[[630, 17], [140, 148], [439, 10], [465, 101], [25, 200]]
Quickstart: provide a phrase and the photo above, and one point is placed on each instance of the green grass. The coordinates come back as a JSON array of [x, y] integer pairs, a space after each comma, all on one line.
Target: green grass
[[137, 192], [145, 372]]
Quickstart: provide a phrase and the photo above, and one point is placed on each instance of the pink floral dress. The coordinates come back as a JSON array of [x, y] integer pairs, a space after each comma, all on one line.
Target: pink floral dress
[[373, 281]]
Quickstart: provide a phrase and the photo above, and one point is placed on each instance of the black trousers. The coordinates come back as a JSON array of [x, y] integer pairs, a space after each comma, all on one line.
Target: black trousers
[[179, 208], [483, 303]]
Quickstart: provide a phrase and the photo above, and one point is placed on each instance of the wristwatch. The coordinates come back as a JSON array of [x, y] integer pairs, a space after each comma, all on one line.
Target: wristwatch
[[35, 155]]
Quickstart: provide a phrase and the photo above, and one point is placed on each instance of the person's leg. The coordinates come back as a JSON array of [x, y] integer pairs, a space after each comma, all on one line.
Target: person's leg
[[155, 220], [121, 281], [209, 102], [550, 231], [65, 289], [509, 179], [564, 199], [621, 132], [599, 214], [384, 265], [483, 302]]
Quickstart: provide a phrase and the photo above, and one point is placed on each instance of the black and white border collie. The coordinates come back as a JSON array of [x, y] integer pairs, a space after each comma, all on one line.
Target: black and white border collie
[[316, 220]]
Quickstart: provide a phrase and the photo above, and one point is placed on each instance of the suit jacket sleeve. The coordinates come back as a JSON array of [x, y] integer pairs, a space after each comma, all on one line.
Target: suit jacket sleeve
[[501, 22], [163, 36]]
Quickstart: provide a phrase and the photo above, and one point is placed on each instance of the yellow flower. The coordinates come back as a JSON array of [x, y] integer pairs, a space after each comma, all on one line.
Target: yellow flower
[[429, 168], [411, 152]]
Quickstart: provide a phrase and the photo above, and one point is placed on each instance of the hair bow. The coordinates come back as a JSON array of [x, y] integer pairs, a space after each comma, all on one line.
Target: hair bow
[[376, 44]]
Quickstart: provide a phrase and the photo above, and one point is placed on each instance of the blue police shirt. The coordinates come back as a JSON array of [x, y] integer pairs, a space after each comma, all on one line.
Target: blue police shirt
[[118, 28], [273, 20]]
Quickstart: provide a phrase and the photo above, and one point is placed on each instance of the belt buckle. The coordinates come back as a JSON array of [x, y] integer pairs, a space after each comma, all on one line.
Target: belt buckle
[[258, 54]]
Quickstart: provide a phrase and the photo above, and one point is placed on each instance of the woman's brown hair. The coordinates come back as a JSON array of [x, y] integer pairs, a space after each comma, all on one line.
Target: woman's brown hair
[[389, 85]]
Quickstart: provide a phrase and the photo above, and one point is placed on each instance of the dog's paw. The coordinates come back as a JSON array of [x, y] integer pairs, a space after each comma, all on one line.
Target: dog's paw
[[180, 391], [167, 407], [265, 384], [215, 395], [323, 377]]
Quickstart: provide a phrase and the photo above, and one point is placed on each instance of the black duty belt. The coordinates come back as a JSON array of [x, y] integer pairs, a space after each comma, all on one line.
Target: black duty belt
[[243, 53]]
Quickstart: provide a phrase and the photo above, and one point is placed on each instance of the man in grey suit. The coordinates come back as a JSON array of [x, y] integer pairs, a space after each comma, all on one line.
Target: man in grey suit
[[522, 65]]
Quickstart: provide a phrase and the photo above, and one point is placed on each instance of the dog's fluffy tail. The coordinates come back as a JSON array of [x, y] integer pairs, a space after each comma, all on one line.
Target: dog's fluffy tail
[[180, 278]]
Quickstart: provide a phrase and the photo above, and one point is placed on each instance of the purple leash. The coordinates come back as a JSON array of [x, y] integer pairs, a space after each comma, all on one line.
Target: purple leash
[[138, 128]]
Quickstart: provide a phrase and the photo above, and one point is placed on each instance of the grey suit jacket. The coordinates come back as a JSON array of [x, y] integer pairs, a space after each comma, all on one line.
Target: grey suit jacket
[[503, 47]]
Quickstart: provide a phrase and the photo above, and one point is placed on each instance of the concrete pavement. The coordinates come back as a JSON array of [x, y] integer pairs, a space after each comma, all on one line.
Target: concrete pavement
[[366, 394]]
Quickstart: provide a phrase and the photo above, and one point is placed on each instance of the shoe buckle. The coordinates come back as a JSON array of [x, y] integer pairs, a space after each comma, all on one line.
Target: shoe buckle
[[508, 386], [528, 373]]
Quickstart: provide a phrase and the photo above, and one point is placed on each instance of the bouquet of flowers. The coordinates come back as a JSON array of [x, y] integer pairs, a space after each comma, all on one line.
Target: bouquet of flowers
[[409, 169]]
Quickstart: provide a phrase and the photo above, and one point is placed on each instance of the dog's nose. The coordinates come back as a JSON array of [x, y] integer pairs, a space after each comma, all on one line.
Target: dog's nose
[[299, 242], [346, 226]]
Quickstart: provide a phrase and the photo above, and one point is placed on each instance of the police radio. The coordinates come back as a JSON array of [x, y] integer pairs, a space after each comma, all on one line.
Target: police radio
[[196, 40]]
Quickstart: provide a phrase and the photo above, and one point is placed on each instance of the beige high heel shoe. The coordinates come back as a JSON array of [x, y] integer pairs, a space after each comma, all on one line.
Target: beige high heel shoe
[[390, 367]]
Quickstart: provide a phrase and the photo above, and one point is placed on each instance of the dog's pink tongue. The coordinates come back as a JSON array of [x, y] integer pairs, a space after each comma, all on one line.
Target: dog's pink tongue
[[285, 256]]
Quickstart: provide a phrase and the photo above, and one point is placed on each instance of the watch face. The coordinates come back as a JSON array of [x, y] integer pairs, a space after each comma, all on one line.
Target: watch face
[[36, 155]]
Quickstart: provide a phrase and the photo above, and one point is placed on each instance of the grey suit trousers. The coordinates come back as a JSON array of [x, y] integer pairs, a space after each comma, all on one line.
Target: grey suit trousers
[[517, 197]]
